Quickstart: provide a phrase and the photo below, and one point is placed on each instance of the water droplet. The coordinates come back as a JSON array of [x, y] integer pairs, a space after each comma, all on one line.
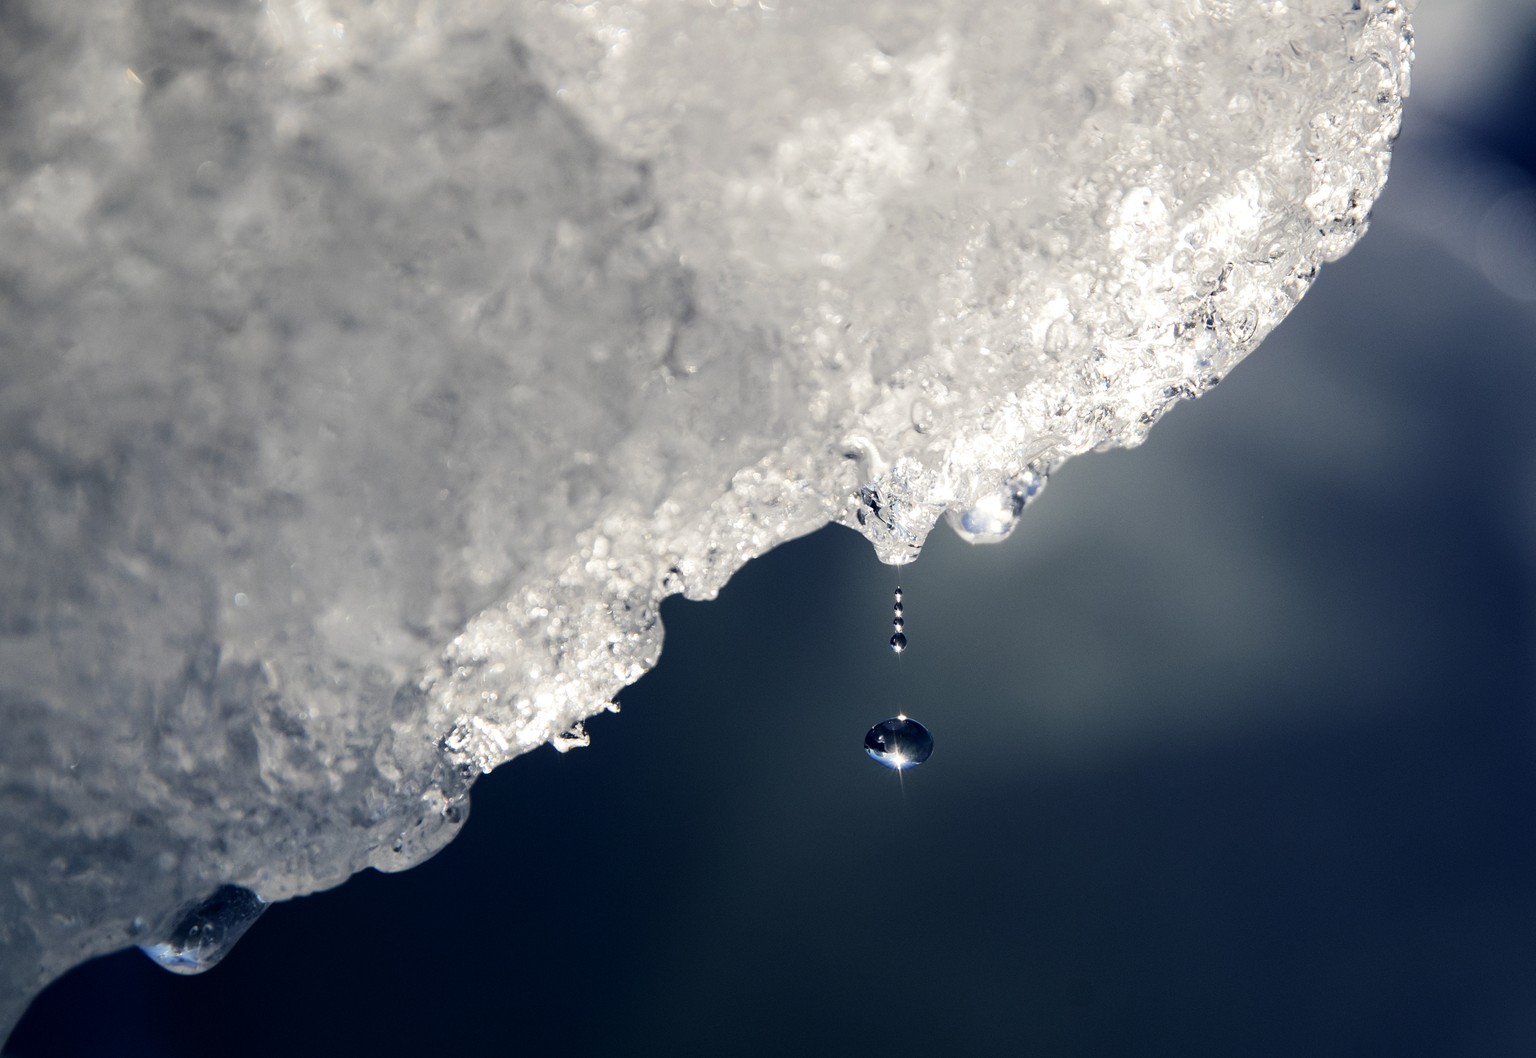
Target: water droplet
[[899, 743], [898, 623], [898, 610], [898, 642], [994, 517], [207, 931], [990, 521]]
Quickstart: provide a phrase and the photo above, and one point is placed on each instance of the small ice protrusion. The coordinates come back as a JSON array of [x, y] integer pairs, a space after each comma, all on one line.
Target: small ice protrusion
[[208, 931], [993, 518]]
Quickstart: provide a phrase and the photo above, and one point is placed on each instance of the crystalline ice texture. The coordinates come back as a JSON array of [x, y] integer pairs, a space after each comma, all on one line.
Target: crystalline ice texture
[[372, 368]]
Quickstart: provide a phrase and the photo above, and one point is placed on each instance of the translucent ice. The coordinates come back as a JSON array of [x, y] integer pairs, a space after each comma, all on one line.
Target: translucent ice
[[993, 517], [373, 368], [207, 931]]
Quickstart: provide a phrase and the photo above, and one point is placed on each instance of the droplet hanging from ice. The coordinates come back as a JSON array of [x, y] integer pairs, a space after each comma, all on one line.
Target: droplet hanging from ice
[[992, 518], [899, 743], [208, 931]]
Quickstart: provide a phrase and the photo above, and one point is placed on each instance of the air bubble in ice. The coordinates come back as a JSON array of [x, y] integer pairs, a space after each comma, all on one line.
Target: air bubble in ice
[[899, 743], [922, 417], [1058, 339], [207, 932]]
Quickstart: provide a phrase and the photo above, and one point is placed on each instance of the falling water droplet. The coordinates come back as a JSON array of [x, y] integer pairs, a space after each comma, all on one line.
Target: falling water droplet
[[207, 932], [898, 624], [899, 743]]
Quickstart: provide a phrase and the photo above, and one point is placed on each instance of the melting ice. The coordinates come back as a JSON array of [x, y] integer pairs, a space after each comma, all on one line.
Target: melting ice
[[373, 368], [993, 517], [206, 932]]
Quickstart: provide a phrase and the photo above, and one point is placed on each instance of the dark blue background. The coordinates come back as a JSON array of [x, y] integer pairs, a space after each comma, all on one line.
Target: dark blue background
[[1236, 755]]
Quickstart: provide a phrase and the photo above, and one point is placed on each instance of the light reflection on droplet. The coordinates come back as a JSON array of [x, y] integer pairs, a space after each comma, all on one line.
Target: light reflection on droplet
[[898, 624], [899, 743]]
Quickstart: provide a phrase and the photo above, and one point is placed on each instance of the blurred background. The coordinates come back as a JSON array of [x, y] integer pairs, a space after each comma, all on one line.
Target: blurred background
[[1236, 737]]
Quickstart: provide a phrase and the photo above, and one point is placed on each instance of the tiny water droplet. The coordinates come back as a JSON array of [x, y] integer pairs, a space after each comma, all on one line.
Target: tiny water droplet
[[898, 641], [899, 743], [207, 931]]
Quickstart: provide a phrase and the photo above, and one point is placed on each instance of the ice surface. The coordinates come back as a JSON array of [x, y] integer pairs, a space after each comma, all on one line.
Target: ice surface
[[372, 370]]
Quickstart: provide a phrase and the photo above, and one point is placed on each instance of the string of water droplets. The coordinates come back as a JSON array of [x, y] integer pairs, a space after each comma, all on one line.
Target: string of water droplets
[[900, 742]]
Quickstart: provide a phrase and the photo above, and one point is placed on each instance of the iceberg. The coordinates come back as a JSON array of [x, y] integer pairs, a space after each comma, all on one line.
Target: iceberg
[[372, 371]]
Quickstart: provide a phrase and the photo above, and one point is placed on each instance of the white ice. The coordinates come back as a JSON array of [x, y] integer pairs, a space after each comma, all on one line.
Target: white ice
[[372, 370]]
